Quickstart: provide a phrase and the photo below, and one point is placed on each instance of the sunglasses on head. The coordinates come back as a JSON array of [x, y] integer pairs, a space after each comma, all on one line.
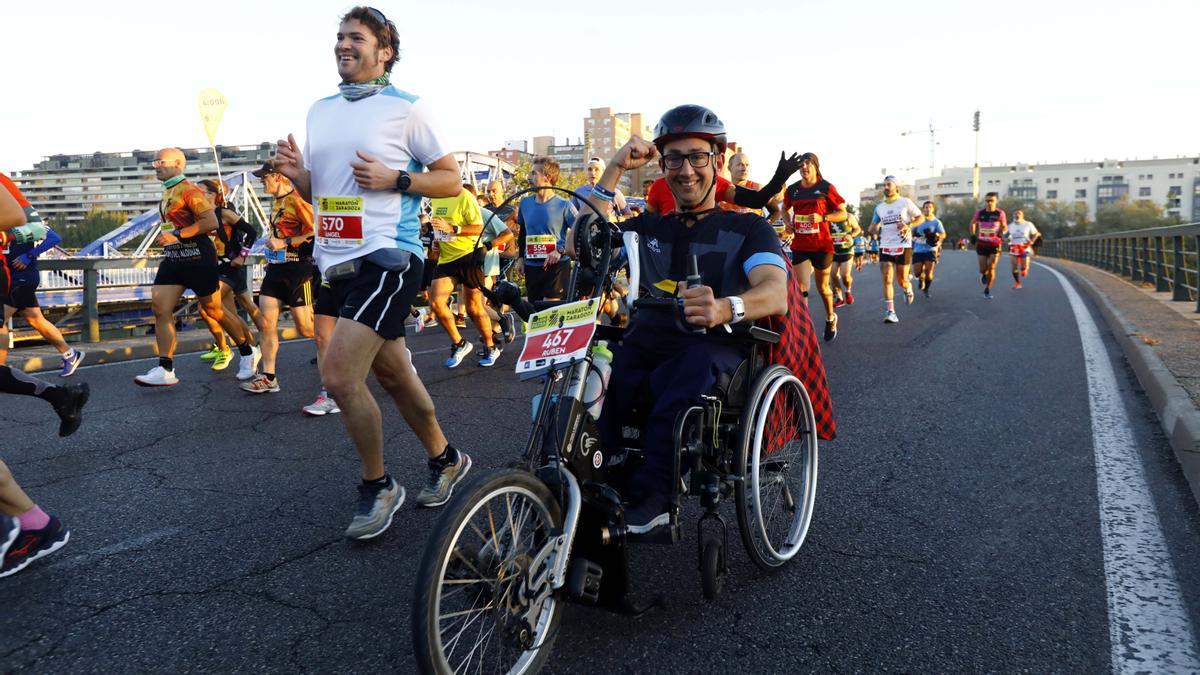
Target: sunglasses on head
[[378, 15]]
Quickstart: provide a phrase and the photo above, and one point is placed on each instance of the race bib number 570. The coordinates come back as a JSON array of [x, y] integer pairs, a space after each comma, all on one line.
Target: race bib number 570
[[339, 221]]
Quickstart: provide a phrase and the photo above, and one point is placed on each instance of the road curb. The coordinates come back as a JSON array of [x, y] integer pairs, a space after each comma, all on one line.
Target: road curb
[[1175, 409], [187, 342]]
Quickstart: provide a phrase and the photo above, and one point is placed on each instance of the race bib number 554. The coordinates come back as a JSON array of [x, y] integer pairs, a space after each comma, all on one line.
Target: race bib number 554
[[339, 221]]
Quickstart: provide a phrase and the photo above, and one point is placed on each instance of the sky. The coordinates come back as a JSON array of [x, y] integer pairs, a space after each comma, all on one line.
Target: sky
[[1054, 81]]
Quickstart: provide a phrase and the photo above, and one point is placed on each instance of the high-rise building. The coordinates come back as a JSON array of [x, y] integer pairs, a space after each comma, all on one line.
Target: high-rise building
[[1173, 184], [65, 188]]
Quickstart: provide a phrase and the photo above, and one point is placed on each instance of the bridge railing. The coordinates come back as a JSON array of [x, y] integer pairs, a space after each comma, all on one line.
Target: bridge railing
[[1165, 257], [89, 275]]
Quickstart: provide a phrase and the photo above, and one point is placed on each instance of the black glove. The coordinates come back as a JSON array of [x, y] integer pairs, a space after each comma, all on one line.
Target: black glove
[[931, 238], [757, 199]]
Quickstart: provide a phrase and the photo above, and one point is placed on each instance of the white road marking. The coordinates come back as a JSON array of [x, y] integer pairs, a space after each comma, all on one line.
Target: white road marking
[[1148, 623], [119, 547]]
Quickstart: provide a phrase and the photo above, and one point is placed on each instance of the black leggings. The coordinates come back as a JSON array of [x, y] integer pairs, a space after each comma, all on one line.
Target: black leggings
[[13, 381]]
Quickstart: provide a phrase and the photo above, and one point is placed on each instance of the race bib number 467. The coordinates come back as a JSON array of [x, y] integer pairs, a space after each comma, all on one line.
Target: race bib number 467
[[339, 221]]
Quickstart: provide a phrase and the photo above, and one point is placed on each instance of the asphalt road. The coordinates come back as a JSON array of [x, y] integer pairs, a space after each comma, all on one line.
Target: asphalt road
[[957, 524]]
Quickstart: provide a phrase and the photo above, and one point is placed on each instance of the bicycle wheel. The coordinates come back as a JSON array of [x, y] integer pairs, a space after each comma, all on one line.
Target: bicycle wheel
[[778, 460], [482, 601]]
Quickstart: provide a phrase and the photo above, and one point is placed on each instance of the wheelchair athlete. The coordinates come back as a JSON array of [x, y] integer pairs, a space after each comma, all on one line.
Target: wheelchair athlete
[[743, 278]]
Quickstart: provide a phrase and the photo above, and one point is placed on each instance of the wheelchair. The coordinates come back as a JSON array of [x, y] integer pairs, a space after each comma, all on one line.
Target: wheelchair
[[511, 547]]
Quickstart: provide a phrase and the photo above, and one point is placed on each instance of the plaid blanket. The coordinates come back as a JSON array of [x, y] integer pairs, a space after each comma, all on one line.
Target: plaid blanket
[[799, 351]]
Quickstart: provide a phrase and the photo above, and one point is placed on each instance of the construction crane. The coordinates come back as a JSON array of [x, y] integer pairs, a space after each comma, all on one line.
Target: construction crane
[[932, 142]]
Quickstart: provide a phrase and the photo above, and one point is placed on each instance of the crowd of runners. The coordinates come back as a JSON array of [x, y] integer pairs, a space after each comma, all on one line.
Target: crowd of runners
[[361, 253]]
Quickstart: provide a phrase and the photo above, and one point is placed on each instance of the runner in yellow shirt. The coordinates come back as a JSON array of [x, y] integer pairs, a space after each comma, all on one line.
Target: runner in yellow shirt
[[457, 223]]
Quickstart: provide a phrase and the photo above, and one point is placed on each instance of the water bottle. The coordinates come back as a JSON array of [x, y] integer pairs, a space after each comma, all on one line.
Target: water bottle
[[597, 382], [537, 401]]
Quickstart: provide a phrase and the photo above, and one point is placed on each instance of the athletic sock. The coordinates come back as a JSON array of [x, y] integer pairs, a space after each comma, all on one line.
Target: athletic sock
[[449, 456], [245, 349], [1017, 277], [804, 293], [928, 283], [270, 376], [889, 305], [34, 519], [69, 354], [166, 363], [379, 482]]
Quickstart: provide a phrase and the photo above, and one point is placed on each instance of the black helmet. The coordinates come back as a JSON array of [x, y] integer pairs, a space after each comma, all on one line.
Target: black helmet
[[689, 121]]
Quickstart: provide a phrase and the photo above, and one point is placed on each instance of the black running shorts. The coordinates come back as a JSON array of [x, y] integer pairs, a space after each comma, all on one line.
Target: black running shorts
[[541, 282], [201, 278], [326, 304], [986, 250], [905, 258], [290, 283], [234, 277], [466, 270], [22, 297], [821, 260], [379, 298], [842, 257], [925, 257]]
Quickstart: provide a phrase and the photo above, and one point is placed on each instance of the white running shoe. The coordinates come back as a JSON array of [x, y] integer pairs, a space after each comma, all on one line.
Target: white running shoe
[[419, 319], [322, 406], [157, 377], [248, 365], [909, 294], [891, 317]]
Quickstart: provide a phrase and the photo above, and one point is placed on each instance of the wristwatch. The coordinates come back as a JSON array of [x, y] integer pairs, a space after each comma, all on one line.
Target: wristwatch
[[737, 308], [403, 181]]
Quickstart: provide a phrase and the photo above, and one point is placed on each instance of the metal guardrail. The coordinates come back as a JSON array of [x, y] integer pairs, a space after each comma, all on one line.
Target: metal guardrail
[[91, 274], [1167, 257]]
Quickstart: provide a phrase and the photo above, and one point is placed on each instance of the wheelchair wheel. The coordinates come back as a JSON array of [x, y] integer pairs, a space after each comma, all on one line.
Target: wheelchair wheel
[[779, 463], [712, 569], [479, 605]]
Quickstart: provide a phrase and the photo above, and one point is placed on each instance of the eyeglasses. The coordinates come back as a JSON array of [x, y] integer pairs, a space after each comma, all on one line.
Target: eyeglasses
[[164, 162], [697, 159]]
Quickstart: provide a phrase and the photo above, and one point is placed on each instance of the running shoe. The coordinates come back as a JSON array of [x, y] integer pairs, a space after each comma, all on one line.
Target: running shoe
[[261, 385], [1025, 272], [890, 317], [838, 302], [458, 352], [322, 406], [419, 319], [831, 328], [987, 293], [849, 298], [1017, 286], [508, 326], [926, 292], [210, 354], [10, 527], [223, 359], [460, 322], [491, 357], [71, 364], [70, 411], [909, 295], [157, 377], [34, 544], [248, 364], [442, 480], [376, 506]]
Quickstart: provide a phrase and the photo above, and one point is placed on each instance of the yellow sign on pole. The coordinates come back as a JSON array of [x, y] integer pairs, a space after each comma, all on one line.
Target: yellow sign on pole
[[212, 109]]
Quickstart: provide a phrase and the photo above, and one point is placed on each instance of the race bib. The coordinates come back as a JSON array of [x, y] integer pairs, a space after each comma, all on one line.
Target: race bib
[[887, 250], [339, 221], [538, 246], [1018, 249], [804, 224], [275, 257], [438, 235]]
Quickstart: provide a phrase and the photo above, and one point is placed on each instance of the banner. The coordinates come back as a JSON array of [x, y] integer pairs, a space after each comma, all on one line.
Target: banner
[[212, 109]]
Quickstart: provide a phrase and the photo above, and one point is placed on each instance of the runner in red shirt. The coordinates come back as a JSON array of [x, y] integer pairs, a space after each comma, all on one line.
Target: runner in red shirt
[[809, 205]]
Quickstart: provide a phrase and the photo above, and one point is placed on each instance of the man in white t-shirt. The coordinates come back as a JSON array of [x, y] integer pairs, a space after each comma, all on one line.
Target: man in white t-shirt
[[1021, 235], [371, 152], [892, 222]]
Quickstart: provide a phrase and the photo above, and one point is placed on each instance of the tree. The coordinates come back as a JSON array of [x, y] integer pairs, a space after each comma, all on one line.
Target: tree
[[93, 226], [1123, 215]]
